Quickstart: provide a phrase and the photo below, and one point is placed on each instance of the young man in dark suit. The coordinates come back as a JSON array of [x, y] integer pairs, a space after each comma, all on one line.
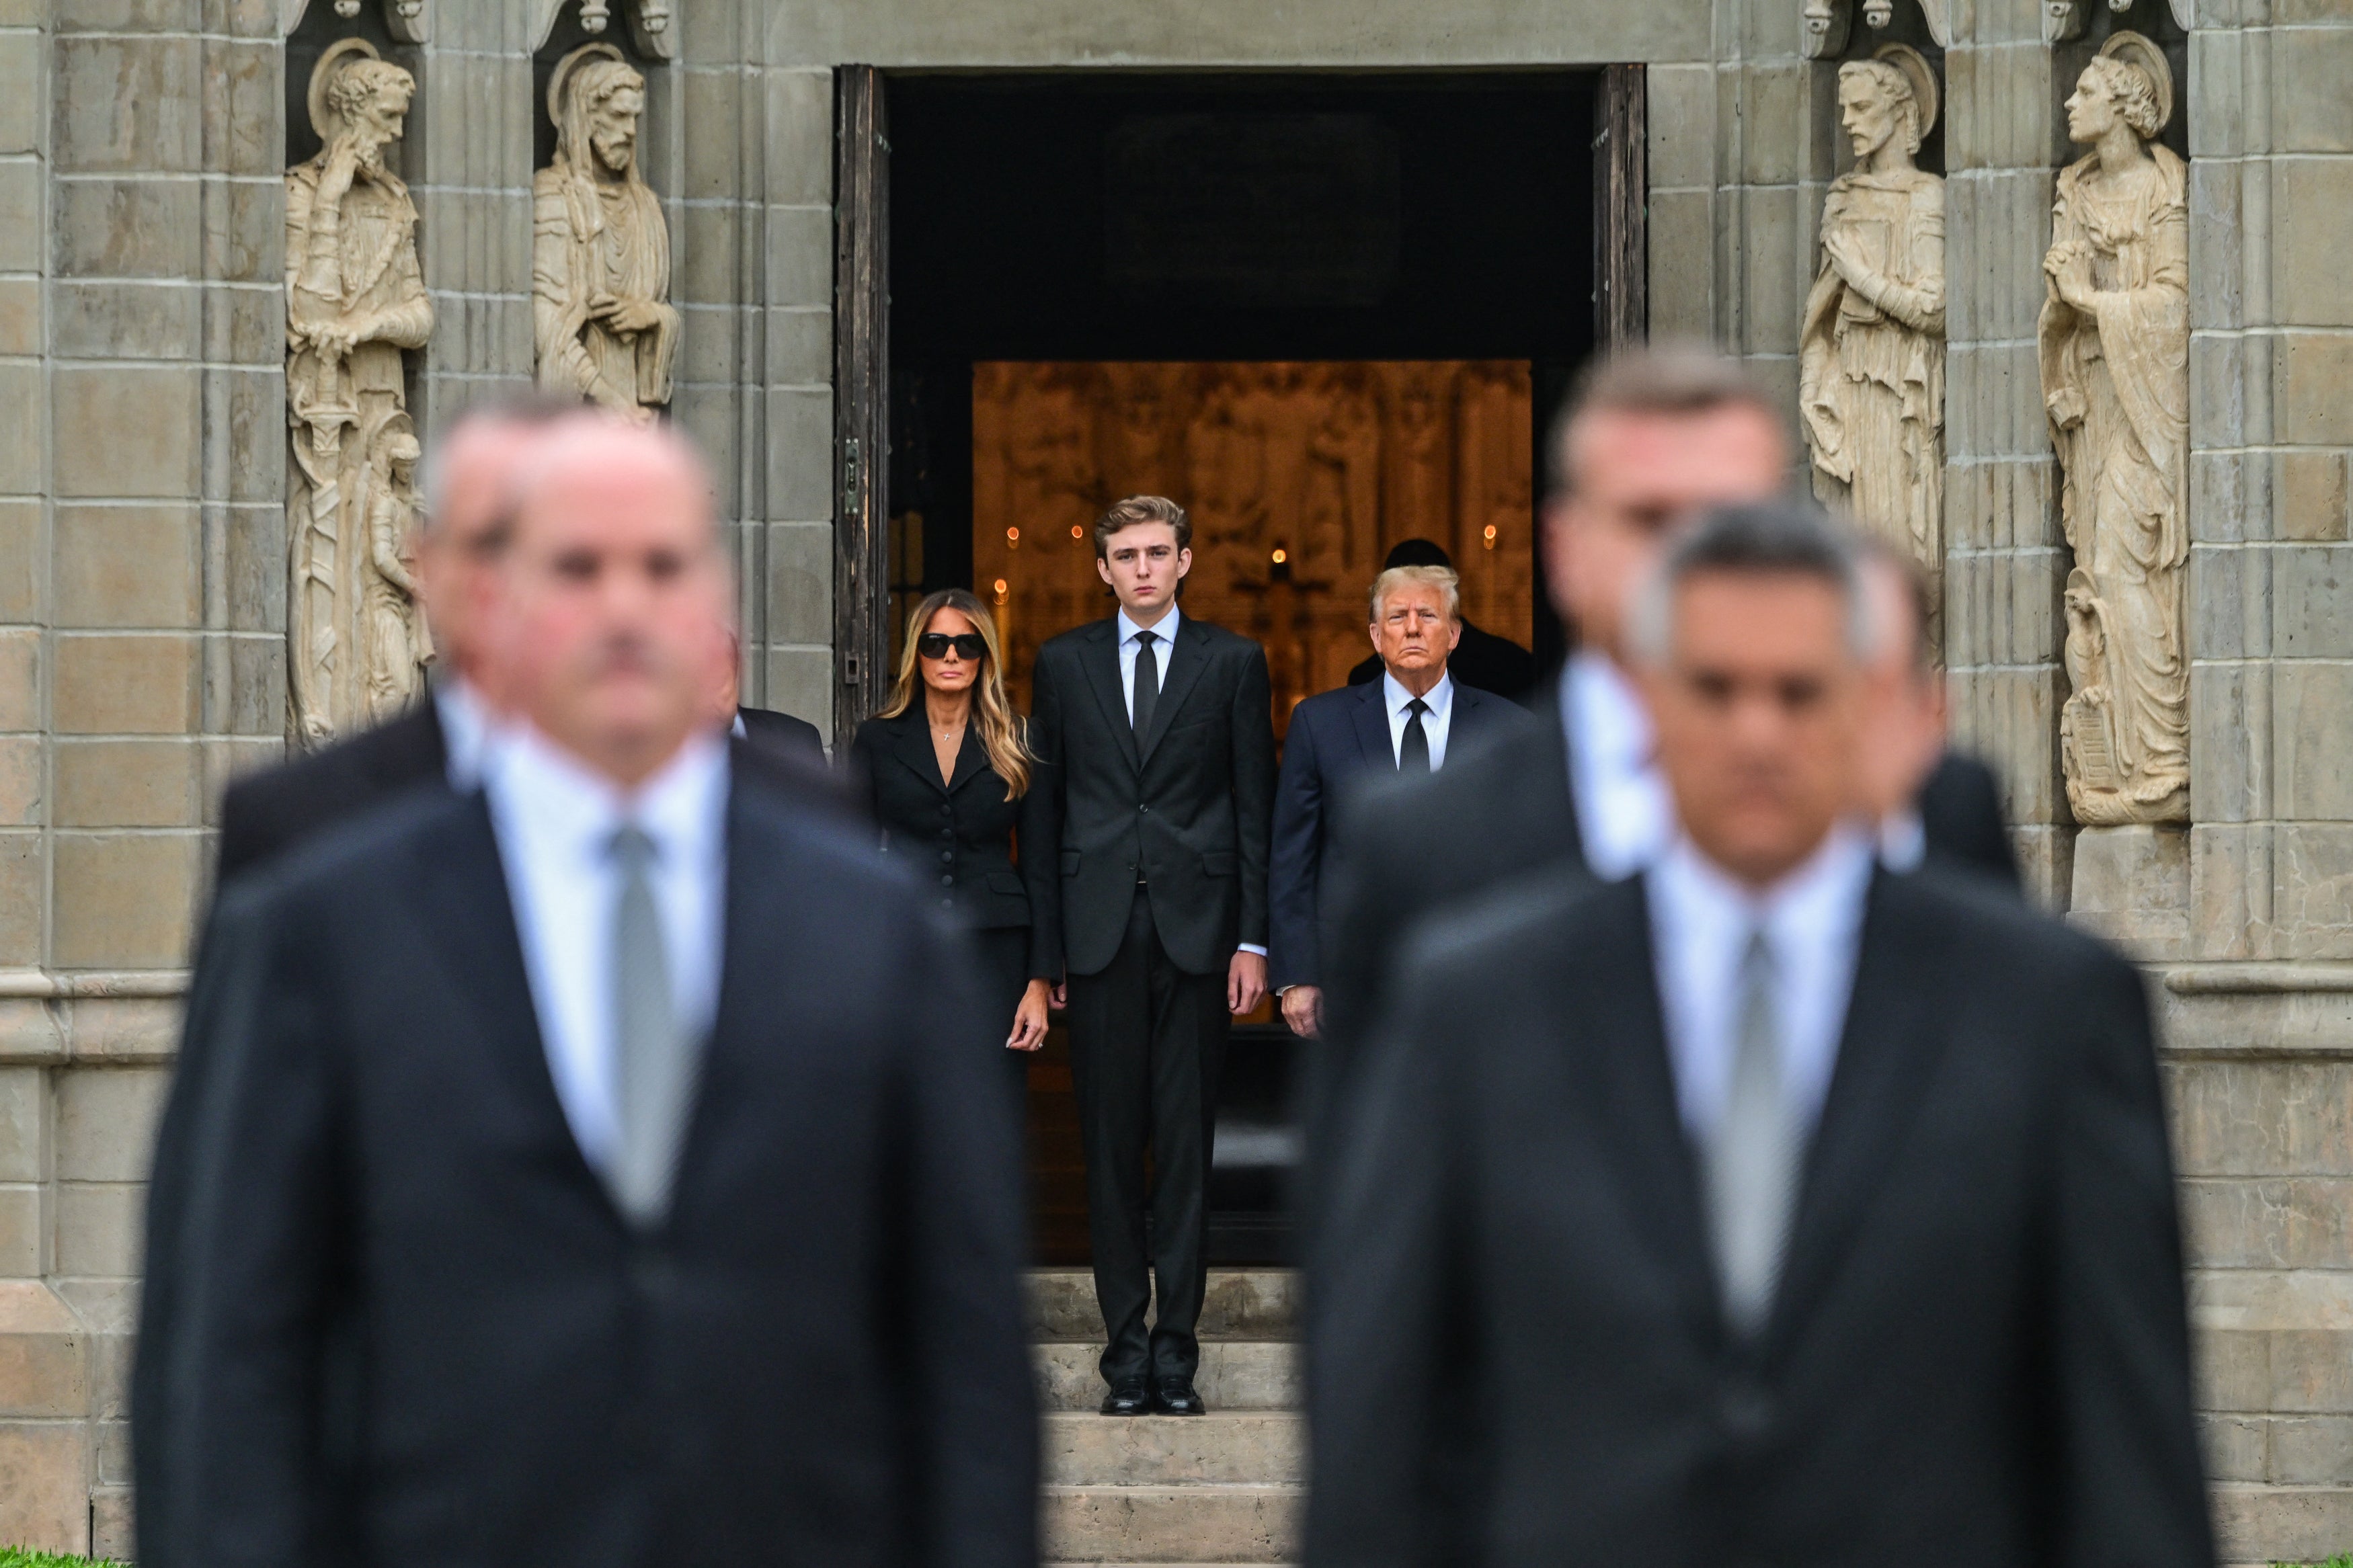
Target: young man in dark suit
[[506, 1135], [1765, 1206], [1406, 724], [1160, 779]]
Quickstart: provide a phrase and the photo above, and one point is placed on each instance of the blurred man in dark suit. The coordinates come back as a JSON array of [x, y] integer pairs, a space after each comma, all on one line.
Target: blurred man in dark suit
[[1404, 725], [1482, 660], [1726, 1213], [1935, 806], [524, 1087]]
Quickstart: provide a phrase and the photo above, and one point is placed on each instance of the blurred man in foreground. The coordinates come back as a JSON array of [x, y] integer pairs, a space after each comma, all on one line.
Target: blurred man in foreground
[[1726, 1213], [1404, 726], [1934, 805], [589, 1117]]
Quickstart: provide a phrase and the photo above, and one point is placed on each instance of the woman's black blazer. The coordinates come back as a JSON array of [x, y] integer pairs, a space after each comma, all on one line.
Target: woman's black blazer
[[958, 836]]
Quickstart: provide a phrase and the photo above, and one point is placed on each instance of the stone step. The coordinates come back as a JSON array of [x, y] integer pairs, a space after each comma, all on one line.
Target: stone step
[[1222, 1449], [1194, 1524], [1239, 1304], [1236, 1374]]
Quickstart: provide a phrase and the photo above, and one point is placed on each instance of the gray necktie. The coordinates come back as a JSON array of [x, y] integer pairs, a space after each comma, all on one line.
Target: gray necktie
[[1147, 684], [653, 1061], [1753, 1162]]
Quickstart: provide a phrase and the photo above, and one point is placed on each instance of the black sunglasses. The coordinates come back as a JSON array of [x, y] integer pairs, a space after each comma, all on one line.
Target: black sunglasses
[[935, 645]]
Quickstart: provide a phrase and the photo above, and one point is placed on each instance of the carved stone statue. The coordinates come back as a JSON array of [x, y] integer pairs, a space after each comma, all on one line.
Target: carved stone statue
[[600, 252], [2115, 350], [354, 301], [1871, 351], [396, 645]]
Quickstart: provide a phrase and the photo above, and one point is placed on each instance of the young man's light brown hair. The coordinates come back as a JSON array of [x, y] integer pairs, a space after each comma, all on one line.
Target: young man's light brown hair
[[1125, 514]]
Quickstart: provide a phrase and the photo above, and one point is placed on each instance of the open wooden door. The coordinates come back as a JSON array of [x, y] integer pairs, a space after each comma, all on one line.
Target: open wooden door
[[1621, 309], [861, 340]]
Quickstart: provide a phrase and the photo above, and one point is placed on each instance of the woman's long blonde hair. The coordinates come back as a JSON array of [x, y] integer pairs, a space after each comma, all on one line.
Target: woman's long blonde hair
[[1003, 732]]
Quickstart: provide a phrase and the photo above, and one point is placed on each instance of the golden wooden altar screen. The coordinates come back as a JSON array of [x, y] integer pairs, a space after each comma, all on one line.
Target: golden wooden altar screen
[[1299, 478]]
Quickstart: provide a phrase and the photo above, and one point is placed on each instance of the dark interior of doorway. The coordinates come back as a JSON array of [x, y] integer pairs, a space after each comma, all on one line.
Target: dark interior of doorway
[[1123, 216]]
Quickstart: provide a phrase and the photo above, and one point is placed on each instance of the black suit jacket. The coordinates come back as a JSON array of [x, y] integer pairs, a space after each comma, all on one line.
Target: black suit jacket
[[264, 814], [798, 737], [956, 836], [1960, 816], [1494, 665], [818, 1358], [1978, 1353], [1189, 807], [1337, 741]]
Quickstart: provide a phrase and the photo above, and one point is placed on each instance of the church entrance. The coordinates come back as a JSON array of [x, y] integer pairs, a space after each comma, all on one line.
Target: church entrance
[[1325, 313]]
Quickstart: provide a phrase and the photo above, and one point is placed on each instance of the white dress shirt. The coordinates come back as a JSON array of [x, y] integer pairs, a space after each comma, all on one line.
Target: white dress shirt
[[1163, 634], [1701, 921], [1439, 699], [555, 822], [1902, 840], [1624, 814], [466, 728]]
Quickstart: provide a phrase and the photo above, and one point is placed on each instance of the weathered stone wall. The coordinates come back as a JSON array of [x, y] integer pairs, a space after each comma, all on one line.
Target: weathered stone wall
[[142, 536]]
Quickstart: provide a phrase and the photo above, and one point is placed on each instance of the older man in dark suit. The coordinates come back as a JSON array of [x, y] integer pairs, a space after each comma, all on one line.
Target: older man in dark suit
[[1403, 725], [516, 1093]]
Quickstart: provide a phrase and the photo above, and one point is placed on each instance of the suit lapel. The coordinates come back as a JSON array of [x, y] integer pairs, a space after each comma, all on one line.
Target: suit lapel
[[1373, 727], [1888, 1052], [1635, 1080], [971, 760], [1101, 659], [910, 741], [1188, 654], [470, 915]]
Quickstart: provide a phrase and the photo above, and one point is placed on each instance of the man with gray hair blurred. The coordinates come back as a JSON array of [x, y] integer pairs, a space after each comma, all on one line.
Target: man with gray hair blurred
[[1403, 725], [1765, 1206]]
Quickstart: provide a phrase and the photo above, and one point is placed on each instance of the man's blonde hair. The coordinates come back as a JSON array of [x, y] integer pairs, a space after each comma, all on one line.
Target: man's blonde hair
[[1442, 578]]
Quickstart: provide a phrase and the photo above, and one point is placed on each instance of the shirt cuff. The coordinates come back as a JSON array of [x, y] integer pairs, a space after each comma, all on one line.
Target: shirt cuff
[[1252, 947]]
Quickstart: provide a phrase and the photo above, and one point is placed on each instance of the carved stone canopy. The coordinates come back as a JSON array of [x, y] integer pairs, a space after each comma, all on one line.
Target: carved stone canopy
[[1827, 23], [408, 21], [653, 24], [2064, 19]]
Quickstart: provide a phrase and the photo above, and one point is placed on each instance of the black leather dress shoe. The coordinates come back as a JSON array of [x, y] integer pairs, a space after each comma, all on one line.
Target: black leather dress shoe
[[1129, 1401], [1175, 1397]]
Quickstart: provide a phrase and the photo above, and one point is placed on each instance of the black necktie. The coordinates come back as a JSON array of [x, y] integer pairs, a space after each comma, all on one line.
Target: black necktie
[[1413, 754], [1147, 685]]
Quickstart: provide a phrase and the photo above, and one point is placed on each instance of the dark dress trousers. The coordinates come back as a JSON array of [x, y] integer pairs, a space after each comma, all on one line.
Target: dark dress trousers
[[1960, 816], [1161, 843], [1978, 1354], [818, 1358], [1339, 740], [1494, 664], [957, 837]]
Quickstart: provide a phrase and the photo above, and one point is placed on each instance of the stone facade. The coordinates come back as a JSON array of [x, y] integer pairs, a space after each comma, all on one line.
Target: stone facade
[[143, 580]]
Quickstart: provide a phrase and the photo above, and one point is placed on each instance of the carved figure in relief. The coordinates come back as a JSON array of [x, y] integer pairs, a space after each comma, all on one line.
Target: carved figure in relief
[[2114, 343], [396, 645], [1871, 350], [600, 249], [355, 302]]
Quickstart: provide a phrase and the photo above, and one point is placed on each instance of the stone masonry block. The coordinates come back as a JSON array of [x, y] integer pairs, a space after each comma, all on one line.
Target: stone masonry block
[[710, 263], [2222, 368], [20, 316], [2312, 388], [800, 682], [800, 137], [255, 701], [2311, 110], [2230, 890], [2266, 1524], [24, 880], [800, 456], [131, 566], [2232, 1370], [21, 795], [2312, 890], [1778, 273], [24, 1101], [106, 1121], [709, 344], [800, 256], [2312, 591], [1773, 122], [1682, 264], [2312, 734], [2231, 764], [128, 105], [716, 166], [20, 92], [243, 109], [1682, 125], [800, 582], [800, 346], [127, 321], [2312, 235], [20, 1236], [127, 431], [256, 562], [2262, 1118], [128, 784], [44, 1485], [23, 434], [2218, 244], [21, 225], [122, 684], [2302, 1221], [44, 1355], [123, 1030], [128, 227], [20, 678], [243, 233], [2311, 1451], [129, 16], [2235, 1447], [2309, 494], [125, 901], [2312, 1370], [2230, 601], [22, 560], [98, 1229]]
